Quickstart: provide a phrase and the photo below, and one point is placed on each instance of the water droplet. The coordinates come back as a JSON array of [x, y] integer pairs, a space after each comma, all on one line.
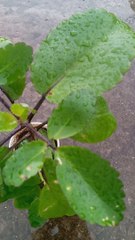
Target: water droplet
[[92, 208]]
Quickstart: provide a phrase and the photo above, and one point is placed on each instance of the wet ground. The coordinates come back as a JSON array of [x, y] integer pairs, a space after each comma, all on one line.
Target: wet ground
[[30, 21]]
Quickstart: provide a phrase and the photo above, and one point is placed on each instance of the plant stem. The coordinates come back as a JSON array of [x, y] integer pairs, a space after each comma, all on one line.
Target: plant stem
[[38, 135], [11, 134], [41, 125], [7, 95], [41, 100], [5, 104]]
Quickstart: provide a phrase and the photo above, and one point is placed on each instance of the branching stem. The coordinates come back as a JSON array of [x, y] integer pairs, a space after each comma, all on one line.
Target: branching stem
[[38, 135], [11, 134], [41, 100]]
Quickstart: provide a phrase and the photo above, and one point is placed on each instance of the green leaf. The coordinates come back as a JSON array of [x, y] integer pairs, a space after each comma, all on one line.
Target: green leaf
[[5, 153], [24, 163], [91, 49], [100, 125], [91, 186], [34, 218], [24, 201], [82, 112], [52, 202], [21, 193], [14, 63], [21, 110], [7, 122]]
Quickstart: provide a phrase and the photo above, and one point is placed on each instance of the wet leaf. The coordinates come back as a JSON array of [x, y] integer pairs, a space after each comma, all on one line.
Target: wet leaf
[[91, 186], [91, 50], [83, 113]]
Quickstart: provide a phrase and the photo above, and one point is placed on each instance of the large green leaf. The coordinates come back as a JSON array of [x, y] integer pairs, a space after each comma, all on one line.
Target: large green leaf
[[24, 163], [7, 122], [91, 50], [91, 185], [52, 202], [82, 112], [14, 63]]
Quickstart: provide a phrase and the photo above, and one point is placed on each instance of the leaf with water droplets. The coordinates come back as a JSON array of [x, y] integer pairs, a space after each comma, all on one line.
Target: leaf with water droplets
[[52, 202], [91, 185], [91, 50], [24, 163], [83, 113], [98, 126]]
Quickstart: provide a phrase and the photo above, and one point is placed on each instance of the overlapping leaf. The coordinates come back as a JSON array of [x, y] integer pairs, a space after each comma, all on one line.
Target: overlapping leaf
[[81, 112], [24, 163], [91, 185], [52, 202], [14, 63], [91, 50], [20, 110], [33, 214]]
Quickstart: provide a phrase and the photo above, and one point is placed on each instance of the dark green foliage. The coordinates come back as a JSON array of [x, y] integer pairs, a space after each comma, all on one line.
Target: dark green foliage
[[77, 62]]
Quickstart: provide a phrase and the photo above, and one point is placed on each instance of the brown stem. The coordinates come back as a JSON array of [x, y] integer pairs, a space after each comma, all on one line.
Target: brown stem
[[11, 134], [38, 135], [5, 104], [41, 100]]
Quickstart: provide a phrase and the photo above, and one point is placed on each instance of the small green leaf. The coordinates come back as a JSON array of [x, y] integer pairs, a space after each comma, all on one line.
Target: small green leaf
[[82, 112], [24, 163], [91, 186], [91, 50], [33, 215], [7, 122], [21, 110], [14, 63], [52, 202]]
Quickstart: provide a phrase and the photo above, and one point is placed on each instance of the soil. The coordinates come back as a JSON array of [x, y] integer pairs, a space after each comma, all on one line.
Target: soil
[[66, 228]]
